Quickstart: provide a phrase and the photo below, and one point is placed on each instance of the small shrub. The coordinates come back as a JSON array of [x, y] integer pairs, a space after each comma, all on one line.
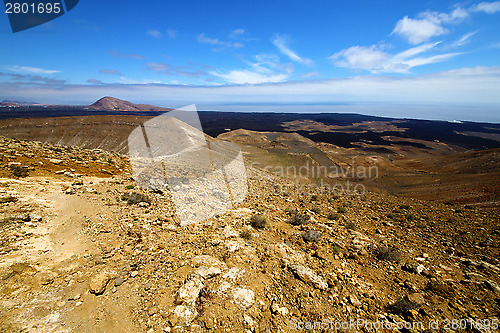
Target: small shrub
[[246, 234], [19, 171], [440, 289], [406, 207], [336, 249], [299, 219], [411, 217], [332, 216], [402, 306], [311, 236], [342, 210], [314, 197], [291, 211], [351, 225], [258, 221], [388, 254], [135, 198], [316, 210], [129, 187]]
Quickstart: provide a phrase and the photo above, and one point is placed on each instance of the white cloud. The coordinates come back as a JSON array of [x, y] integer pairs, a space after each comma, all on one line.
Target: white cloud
[[281, 43], [266, 68], [431, 24], [418, 30], [202, 39], [249, 77], [376, 60], [360, 57], [32, 70], [237, 33], [487, 7], [154, 33], [172, 33], [465, 39]]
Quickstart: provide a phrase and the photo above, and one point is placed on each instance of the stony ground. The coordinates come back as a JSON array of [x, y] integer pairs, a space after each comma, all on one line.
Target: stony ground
[[76, 255]]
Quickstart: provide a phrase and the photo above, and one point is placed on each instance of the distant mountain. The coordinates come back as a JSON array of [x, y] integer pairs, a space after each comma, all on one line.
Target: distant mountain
[[7, 102], [114, 104]]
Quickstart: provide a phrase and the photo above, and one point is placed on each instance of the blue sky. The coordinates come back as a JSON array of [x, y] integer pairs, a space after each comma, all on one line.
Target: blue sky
[[423, 59]]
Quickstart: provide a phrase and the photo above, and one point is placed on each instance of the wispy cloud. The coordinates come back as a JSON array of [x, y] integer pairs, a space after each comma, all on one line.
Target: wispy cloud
[[237, 33], [465, 39], [118, 54], [110, 72], [246, 76], [281, 42], [167, 69], [202, 39], [28, 80], [264, 68], [172, 33], [154, 33], [94, 81], [376, 60], [487, 7], [33, 70]]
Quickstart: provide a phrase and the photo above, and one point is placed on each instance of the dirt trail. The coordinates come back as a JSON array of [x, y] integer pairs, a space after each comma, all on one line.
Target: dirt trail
[[49, 258]]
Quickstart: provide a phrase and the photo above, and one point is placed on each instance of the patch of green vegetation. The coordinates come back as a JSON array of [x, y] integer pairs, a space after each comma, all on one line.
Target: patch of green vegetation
[[332, 216], [388, 254], [258, 221], [245, 234], [342, 210], [336, 249], [316, 210], [402, 306], [351, 225], [299, 219]]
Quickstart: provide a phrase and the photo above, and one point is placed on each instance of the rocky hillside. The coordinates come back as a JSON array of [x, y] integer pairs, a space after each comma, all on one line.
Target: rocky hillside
[[82, 249]]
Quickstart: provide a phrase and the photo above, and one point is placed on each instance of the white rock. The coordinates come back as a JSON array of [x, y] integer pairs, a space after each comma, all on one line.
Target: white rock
[[243, 297], [229, 232], [205, 260], [249, 320], [183, 315], [233, 274], [234, 245], [190, 291], [275, 308], [207, 272], [308, 275]]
